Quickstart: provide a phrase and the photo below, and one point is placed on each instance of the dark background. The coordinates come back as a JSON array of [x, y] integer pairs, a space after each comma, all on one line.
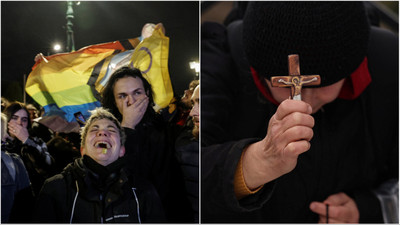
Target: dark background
[[28, 28]]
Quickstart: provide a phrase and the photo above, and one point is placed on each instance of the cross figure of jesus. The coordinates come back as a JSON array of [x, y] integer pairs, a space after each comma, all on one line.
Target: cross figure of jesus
[[295, 81]]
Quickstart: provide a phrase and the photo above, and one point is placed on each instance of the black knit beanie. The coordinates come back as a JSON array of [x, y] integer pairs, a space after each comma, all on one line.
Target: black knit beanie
[[331, 38]]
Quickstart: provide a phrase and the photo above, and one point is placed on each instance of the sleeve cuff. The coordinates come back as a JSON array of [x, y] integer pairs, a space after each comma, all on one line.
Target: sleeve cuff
[[240, 188], [368, 206]]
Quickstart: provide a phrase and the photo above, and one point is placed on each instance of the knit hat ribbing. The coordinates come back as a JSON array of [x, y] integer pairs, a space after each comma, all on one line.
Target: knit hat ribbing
[[331, 38]]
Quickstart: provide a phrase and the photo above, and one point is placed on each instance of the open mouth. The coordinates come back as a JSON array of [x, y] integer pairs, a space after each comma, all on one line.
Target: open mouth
[[102, 144]]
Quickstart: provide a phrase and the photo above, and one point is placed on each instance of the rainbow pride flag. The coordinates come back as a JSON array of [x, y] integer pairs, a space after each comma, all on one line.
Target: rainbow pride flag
[[67, 83]]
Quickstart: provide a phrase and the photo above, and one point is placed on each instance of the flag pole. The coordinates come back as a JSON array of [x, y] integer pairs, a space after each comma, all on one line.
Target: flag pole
[[70, 32]]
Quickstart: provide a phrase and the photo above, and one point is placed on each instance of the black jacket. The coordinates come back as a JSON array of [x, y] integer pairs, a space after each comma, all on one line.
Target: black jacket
[[16, 192], [187, 153], [150, 152], [354, 148], [79, 195], [37, 160]]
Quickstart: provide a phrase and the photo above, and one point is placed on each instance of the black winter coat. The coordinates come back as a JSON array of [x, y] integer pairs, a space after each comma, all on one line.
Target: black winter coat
[[78, 195], [37, 160], [187, 153], [150, 152]]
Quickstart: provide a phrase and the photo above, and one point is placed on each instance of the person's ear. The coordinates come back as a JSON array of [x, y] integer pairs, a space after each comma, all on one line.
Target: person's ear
[[122, 151], [82, 151]]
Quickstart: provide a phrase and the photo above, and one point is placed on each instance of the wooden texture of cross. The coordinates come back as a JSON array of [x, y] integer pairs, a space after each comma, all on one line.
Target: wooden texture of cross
[[295, 81]]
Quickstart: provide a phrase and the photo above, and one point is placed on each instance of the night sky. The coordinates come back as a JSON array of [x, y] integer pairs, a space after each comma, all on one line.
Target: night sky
[[28, 28]]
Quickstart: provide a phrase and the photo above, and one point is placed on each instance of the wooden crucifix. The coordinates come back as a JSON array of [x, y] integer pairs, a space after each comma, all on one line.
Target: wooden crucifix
[[295, 81]]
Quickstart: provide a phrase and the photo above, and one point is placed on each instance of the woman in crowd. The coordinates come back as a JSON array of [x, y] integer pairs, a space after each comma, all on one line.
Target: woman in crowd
[[32, 150]]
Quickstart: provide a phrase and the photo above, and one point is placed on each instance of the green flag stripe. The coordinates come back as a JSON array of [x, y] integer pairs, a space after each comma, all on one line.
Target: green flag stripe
[[76, 96]]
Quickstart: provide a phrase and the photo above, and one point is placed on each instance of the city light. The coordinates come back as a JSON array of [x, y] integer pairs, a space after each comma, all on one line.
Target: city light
[[195, 65], [57, 47]]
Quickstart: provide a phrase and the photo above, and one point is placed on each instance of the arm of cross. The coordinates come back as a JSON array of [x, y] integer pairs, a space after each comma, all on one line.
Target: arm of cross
[[281, 81], [295, 81]]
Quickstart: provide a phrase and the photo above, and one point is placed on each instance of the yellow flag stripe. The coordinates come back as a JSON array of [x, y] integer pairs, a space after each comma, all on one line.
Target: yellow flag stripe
[[151, 57], [76, 96], [64, 72]]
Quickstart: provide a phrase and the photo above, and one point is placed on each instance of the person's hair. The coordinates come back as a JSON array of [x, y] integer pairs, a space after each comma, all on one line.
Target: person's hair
[[14, 107], [193, 84], [3, 125], [4, 103], [108, 99], [31, 106], [98, 114]]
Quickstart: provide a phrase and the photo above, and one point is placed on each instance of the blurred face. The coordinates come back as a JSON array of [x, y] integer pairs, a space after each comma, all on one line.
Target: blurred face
[[316, 97], [103, 142], [128, 89], [32, 114], [186, 98], [4, 103], [194, 113], [20, 117], [4, 133]]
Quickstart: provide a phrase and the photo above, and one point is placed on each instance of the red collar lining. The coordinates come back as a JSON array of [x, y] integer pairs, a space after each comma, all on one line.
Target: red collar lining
[[352, 87]]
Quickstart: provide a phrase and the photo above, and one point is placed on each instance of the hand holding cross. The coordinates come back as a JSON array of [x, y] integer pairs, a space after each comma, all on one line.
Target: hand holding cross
[[295, 81], [289, 134]]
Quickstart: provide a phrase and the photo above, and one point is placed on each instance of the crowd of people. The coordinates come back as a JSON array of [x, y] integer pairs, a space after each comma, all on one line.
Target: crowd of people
[[127, 164]]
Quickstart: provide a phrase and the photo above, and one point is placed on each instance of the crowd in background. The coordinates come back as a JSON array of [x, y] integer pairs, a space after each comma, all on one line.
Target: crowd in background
[[161, 149]]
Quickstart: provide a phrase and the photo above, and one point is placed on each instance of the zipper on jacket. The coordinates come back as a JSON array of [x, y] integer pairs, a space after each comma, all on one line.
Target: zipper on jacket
[[102, 208]]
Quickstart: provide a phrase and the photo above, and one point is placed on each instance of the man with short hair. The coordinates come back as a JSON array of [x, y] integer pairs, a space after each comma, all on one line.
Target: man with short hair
[[195, 112], [150, 140], [95, 188], [187, 153]]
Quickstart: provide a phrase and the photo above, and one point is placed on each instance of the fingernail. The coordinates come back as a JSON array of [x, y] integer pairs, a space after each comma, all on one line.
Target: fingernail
[[309, 109]]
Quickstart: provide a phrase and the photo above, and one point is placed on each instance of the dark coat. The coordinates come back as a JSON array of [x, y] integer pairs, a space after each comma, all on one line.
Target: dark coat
[[187, 153], [35, 156], [150, 152], [78, 195], [14, 179], [354, 148]]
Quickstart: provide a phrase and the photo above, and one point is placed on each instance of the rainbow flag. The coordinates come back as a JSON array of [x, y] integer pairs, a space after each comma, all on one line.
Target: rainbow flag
[[67, 83]]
